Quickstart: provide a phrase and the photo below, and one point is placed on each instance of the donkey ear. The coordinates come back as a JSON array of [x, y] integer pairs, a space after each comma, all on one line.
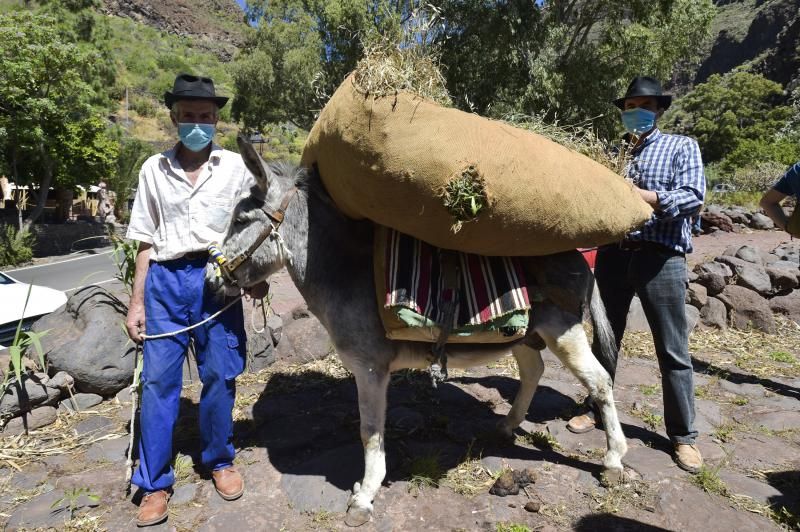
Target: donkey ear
[[254, 163]]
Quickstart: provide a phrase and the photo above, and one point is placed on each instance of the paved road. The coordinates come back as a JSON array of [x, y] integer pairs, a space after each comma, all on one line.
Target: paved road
[[71, 273]]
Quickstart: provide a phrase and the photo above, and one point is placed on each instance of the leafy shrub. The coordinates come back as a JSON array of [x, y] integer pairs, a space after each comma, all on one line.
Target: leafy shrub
[[16, 247], [144, 105], [758, 177], [784, 151]]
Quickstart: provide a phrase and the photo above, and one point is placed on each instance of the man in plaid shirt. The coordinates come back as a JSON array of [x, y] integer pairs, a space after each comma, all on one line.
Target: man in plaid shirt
[[667, 171]]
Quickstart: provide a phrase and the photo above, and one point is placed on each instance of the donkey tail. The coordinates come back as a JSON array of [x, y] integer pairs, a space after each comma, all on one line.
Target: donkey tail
[[604, 345]]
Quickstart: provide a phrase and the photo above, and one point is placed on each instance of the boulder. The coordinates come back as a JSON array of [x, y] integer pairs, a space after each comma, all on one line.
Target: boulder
[[768, 258], [786, 265], [737, 215], [714, 276], [86, 340], [788, 305], [692, 318], [789, 252], [80, 402], [762, 222], [275, 324], [783, 280], [749, 254], [696, 295], [710, 220], [260, 345], [637, 321], [714, 314], [731, 250], [303, 338], [41, 417], [33, 392], [747, 309], [748, 275]]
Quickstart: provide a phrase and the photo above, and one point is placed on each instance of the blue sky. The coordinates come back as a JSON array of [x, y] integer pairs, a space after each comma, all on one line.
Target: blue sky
[[241, 3]]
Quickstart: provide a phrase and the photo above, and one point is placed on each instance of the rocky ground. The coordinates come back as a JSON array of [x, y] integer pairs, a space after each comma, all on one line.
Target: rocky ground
[[297, 431]]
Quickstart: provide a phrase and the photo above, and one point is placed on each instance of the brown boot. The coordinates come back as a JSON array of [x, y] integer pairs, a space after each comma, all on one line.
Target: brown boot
[[153, 508], [688, 457], [228, 483]]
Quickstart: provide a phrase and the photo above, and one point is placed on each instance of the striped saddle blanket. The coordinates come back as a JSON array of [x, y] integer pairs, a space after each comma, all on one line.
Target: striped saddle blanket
[[424, 290]]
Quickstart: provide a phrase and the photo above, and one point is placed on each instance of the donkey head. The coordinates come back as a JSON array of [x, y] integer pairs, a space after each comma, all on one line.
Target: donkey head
[[255, 219]]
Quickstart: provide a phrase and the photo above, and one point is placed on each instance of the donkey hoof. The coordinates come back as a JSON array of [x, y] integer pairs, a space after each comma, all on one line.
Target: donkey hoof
[[504, 431], [613, 476], [357, 516]]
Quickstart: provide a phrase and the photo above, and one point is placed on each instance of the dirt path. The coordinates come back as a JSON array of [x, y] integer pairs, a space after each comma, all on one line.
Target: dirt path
[[706, 247]]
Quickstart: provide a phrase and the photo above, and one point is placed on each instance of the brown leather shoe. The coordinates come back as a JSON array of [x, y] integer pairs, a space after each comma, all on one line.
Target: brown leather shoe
[[582, 423], [688, 457], [153, 508], [228, 483]]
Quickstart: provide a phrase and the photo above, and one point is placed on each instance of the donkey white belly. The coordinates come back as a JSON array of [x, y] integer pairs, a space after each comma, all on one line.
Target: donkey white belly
[[417, 355]]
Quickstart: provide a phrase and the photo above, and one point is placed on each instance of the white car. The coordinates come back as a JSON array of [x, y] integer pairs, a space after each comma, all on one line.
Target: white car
[[13, 293]]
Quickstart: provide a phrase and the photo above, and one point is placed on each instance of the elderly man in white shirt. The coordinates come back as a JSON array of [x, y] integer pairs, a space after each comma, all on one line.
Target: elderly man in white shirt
[[183, 203]]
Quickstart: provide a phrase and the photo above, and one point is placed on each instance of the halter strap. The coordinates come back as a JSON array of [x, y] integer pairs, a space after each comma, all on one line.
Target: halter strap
[[276, 219]]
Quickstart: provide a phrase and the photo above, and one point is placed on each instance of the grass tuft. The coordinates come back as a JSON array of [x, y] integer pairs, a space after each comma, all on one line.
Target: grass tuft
[[708, 480], [424, 472], [403, 62], [464, 197]]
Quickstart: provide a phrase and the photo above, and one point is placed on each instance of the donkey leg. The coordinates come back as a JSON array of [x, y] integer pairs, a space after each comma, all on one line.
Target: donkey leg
[[565, 336], [531, 367], [372, 384]]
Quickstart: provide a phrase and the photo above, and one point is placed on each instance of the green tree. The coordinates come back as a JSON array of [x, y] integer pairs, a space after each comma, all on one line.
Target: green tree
[[302, 51], [564, 60], [50, 131], [561, 59], [736, 118]]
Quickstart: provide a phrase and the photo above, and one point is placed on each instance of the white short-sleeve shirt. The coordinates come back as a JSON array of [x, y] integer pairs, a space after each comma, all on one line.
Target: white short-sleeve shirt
[[177, 217]]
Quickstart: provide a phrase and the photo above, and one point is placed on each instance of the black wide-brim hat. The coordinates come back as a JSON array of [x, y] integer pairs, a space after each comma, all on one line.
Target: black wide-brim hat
[[645, 86], [189, 87]]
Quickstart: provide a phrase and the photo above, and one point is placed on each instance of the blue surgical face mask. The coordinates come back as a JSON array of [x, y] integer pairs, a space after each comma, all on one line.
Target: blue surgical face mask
[[196, 136], [638, 121]]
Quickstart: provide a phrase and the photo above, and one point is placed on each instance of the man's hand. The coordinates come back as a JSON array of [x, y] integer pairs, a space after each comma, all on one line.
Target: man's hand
[[648, 196], [134, 322], [257, 291]]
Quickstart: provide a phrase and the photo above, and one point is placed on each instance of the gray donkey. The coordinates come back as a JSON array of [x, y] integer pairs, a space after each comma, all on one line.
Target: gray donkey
[[329, 258]]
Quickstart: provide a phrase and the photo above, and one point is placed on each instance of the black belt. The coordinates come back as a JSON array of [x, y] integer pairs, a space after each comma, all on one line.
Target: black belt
[[195, 255], [639, 245]]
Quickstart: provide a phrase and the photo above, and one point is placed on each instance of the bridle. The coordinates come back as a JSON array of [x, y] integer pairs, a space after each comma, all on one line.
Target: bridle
[[228, 266]]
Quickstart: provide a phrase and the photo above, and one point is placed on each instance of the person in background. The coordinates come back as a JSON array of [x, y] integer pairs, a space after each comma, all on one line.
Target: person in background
[[183, 203], [788, 185], [667, 172]]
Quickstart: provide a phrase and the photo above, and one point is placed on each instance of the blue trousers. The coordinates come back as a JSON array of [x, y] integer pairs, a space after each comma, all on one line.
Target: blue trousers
[[175, 297], [659, 277]]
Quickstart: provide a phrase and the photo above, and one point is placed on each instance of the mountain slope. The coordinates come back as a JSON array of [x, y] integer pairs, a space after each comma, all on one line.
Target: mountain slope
[[218, 26], [761, 36]]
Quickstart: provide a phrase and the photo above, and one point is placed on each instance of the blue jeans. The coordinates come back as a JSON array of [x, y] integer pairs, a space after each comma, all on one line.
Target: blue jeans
[[659, 277], [175, 298]]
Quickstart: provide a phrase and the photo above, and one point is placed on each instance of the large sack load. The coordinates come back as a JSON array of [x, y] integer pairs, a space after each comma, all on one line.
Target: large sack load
[[391, 159]]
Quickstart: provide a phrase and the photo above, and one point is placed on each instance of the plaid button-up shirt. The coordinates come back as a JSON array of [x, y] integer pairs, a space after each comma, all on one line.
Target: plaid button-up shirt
[[672, 167]]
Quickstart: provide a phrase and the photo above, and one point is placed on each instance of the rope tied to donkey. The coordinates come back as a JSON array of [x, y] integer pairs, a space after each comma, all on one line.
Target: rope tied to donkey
[[451, 277]]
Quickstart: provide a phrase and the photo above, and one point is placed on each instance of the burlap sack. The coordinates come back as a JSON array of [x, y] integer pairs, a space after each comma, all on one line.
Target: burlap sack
[[388, 160]]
